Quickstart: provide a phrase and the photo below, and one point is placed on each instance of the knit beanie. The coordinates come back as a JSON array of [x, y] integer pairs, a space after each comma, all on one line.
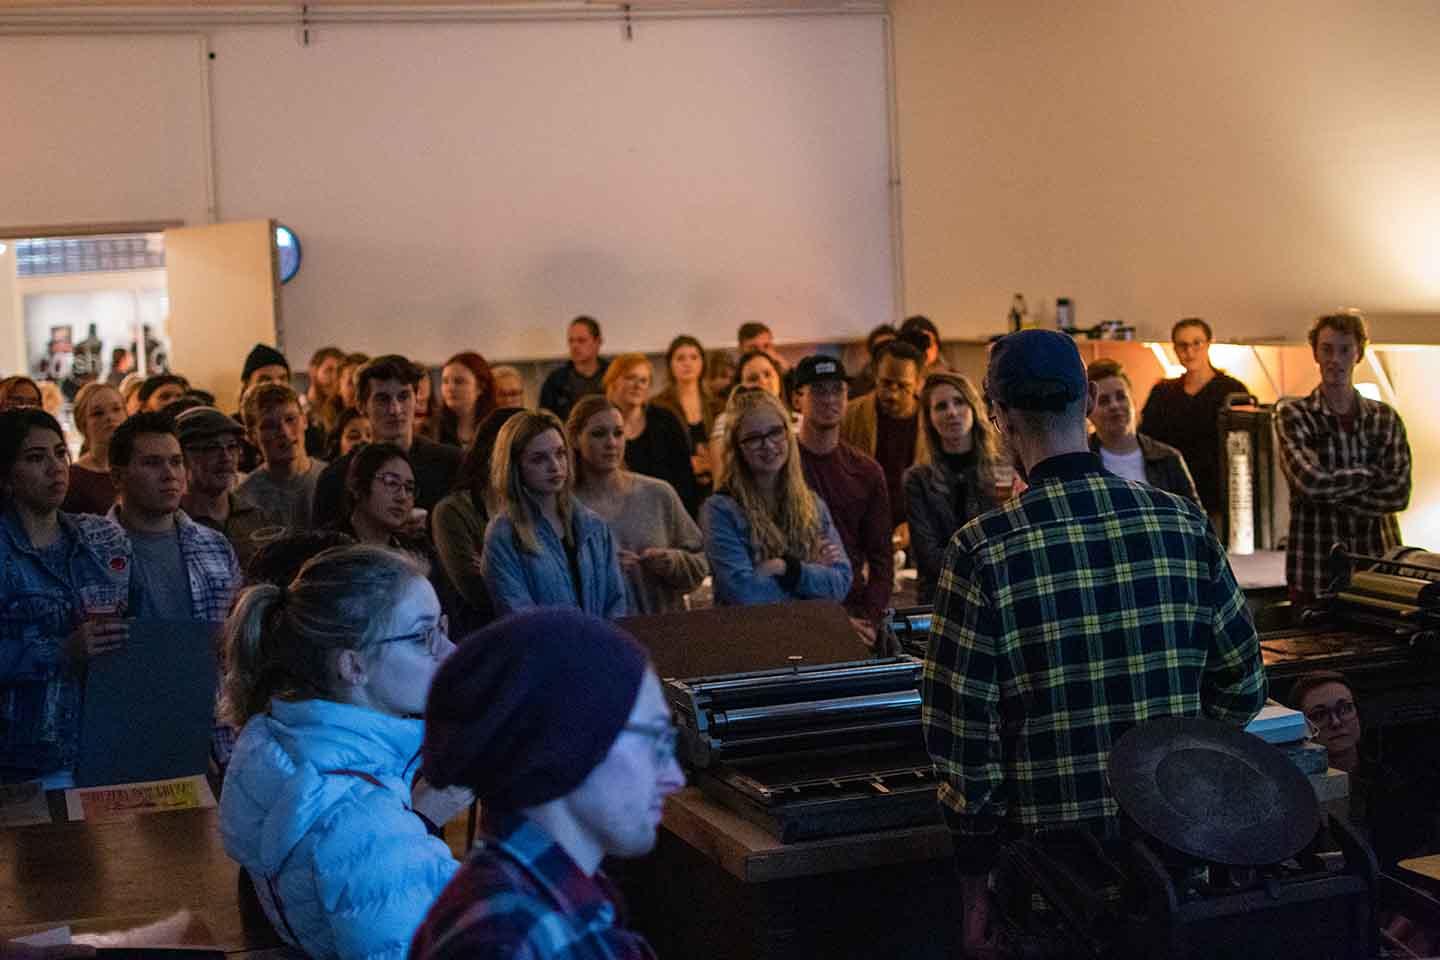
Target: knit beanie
[[528, 706], [263, 356]]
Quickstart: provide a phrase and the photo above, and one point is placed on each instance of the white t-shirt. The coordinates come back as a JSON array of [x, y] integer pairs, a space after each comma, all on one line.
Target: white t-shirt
[[1130, 465]]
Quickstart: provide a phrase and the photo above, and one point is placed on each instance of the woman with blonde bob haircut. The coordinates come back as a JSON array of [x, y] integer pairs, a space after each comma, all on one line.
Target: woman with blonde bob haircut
[[328, 676], [768, 537], [965, 475], [543, 547]]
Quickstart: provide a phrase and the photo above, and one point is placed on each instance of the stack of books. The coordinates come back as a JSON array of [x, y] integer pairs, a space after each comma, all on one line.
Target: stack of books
[[1287, 730]]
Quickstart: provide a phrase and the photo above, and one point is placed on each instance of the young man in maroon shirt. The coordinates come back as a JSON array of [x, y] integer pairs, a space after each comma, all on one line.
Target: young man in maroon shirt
[[852, 486]]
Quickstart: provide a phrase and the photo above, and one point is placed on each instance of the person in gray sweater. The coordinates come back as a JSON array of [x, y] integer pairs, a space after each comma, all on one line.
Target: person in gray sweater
[[661, 549]]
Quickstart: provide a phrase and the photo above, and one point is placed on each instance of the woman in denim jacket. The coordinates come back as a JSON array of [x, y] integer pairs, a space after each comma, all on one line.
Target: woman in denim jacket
[[544, 547], [768, 537], [63, 579]]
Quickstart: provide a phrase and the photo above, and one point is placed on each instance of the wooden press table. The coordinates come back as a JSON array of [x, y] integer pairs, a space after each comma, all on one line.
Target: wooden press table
[[126, 873], [720, 886]]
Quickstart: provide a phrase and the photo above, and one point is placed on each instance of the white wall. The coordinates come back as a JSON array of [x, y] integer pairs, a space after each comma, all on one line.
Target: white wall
[[478, 185], [1255, 163]]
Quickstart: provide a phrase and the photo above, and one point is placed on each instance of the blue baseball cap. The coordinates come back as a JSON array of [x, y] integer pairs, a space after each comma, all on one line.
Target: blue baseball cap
[[1036, 370]]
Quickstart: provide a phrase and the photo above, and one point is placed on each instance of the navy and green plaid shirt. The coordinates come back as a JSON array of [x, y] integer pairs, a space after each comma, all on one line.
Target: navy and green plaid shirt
[[1079, 609]]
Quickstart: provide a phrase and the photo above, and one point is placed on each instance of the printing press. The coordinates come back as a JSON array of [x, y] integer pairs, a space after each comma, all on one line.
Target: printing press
[[1380, 626], [810, 751]]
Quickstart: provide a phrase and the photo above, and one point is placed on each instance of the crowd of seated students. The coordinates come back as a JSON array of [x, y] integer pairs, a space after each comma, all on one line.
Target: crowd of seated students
[[610, 499]]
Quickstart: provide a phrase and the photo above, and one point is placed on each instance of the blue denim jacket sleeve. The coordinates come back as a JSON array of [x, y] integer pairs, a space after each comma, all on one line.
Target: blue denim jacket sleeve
[[615, 603], [819, 581], [503, 570], [727, 547]]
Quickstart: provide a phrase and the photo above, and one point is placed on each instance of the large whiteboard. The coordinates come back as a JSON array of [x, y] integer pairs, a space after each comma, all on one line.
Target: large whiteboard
[[477, 185], [102, 130]]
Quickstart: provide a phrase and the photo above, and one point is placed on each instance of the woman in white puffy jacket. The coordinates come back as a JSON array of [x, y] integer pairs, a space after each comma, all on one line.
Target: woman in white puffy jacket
[[321, 806]]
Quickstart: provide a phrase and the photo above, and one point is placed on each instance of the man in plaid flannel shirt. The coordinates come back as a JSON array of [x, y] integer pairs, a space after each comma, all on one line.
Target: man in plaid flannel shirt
[[1346, 458], [1081, 608]]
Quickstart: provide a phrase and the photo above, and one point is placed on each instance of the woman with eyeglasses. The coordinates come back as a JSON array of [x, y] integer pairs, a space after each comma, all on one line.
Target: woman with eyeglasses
[[768, 537], [661, 551], [656, 444], [327, 678], [379, 508], [963, 477], [543, 547], [64, 583], [1394, 798]]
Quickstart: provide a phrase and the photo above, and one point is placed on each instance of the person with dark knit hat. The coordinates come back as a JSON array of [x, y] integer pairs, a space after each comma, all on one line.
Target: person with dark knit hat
[[556, 720], [265, 364]]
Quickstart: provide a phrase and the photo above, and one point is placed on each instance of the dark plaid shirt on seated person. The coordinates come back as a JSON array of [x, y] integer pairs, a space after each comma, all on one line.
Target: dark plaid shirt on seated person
[[1077, 610], [519, 895]]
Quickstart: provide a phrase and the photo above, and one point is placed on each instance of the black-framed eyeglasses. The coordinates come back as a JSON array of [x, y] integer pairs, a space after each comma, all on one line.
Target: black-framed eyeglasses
[[663, 736], [430, 640], [395, 483], [1320, 715], [772, 438]]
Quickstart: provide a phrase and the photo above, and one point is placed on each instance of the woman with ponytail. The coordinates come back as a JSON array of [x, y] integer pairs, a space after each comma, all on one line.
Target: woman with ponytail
[[321, 804]]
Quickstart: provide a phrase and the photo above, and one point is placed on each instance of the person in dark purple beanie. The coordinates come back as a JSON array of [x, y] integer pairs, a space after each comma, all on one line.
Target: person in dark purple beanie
[[556, 720]]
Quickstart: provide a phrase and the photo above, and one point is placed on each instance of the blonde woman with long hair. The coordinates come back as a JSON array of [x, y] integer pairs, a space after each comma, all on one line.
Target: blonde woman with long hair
[[768, 537], [543, 547], [965, 475]]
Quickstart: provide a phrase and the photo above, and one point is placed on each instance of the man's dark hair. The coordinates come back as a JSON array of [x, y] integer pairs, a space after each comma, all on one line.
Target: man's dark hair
[[122, 443], [751, 330], [885, 330], [1351, 323], [391, 366], [1191, 322], [280, 560], [188, 401], [151, 384], [901, 350], [117, 354], [589, 323], [922, 323]]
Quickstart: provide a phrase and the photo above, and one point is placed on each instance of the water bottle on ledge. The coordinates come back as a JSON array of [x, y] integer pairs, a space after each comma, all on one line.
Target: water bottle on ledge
[[1018, 312], [1064, 315]]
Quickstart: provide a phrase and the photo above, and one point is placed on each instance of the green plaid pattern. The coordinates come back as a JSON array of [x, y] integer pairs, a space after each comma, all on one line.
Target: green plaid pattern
[[1077, 610]]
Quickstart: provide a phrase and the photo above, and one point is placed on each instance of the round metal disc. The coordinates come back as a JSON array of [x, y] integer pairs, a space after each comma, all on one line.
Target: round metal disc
[[1212, 791]]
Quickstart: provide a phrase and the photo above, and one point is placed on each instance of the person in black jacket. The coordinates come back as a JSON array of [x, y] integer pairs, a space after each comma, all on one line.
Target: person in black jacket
[[581, 375], [1122, 450], [1184, 412]]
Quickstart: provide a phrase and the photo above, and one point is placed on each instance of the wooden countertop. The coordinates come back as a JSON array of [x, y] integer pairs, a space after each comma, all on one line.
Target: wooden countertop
[[747, 852], [141, 868]]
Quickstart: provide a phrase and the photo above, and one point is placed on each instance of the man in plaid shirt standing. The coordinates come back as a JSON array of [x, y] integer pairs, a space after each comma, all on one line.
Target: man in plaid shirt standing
[[1081, 608], [1346, 458]]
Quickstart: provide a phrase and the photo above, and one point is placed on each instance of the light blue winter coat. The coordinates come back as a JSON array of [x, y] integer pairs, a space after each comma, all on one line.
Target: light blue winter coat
[[353, 866], [518, 579], [732, 565]]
